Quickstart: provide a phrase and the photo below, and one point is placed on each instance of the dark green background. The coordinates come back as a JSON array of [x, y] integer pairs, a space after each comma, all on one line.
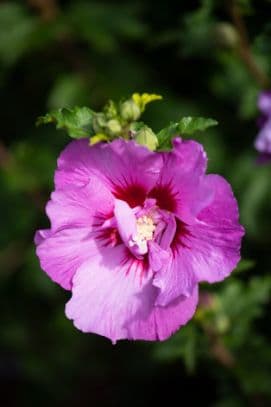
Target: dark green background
[[61, 53]]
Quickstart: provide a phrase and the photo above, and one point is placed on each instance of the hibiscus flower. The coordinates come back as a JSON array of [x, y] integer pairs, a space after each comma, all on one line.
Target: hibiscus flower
[[132, 234]]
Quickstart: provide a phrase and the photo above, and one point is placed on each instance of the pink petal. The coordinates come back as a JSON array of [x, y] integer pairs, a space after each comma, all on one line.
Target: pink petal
[[113, 296], [63, 252], [205, 251], [80, 206], [224, 208], [213, 244], [168, 233], [158, 257], [181, 188], [126, 221], [108, 292], [162, 322], [176, 278], [40, 235], [192, 157], [126, 168]]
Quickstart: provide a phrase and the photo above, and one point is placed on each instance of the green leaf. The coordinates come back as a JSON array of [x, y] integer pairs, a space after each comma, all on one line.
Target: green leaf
[[76, 121], [244, 265], [186, 126]]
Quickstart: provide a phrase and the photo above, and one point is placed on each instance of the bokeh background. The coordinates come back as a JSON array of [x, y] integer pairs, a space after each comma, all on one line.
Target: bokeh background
[[209, 58]]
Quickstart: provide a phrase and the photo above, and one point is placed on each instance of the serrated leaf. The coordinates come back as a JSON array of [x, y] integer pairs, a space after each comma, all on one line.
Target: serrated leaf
[[189, 125], [76, 121], [186, 126]]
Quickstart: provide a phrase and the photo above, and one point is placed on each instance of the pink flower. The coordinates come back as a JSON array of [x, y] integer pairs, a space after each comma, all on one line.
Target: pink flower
[[263, 139], [132, 234]]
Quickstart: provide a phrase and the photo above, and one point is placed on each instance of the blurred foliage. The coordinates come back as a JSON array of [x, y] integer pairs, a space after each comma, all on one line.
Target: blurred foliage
[[208, 58]]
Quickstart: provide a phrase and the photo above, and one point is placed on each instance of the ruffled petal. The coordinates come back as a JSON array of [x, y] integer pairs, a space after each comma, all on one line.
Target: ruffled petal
[[162, 322], [176, 278], [158, 258], [61, 253], [126, 168], [192, 157], [181, 188], [113, 296], [110, 291], [213, 244], [165, 238], [205, 251], [80, 206]]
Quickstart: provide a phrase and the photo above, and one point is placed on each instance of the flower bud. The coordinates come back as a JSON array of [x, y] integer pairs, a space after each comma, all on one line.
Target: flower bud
[[146, 137], [99, 122], [129, 110], [110, 110], [114, 126]]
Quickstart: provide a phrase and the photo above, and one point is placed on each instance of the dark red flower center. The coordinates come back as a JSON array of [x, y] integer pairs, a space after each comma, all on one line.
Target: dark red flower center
[[165, 197], [134, 195]]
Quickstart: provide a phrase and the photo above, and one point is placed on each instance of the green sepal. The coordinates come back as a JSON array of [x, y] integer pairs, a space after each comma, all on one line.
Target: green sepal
[[186, 126], [77, 121]]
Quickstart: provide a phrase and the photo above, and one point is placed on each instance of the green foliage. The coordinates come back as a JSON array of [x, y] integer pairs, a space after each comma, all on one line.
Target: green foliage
[[184, 345], [101, 26], [186, 126], [68, 90], [115, 120], [196, 37], [17, 28], [224, 328], [78, 121]]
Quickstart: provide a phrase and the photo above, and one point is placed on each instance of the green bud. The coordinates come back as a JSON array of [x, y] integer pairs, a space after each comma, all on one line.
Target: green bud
[[129, 110], [110, 110], [146, 137], [99, 122], [114, 126]]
